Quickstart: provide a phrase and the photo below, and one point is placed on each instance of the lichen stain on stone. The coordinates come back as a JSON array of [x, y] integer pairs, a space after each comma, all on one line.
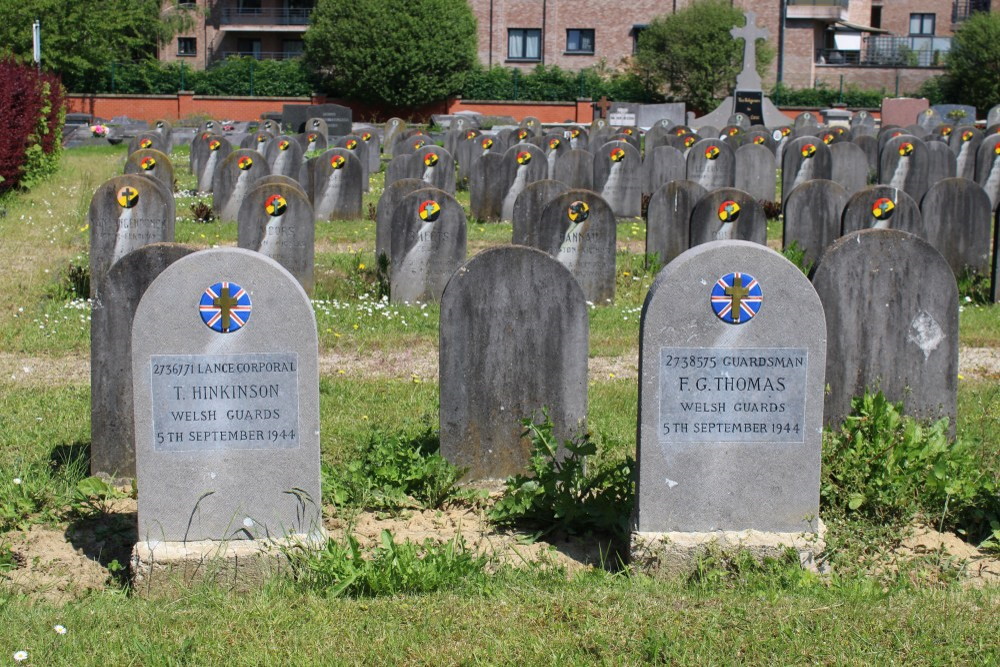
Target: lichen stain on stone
[[926, 333]]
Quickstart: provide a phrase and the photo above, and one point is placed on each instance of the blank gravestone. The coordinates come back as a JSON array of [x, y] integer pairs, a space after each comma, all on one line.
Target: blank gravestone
[[370, 138], [277, 221], [522, 164], [528, 210], [662, 165], [428, 244], [881, 207], [467, 148], [618, 178], [112, 431], [804, 159], [756, 172], [397, 169], [387, 203], [575, 168], [126, 213], [668, 219], [711, 164], [226, 392], [487, 187], [904, 164], [958, 221], [337, 185], [941, 162], [849, 166], [513, 342], [731, 377], [234, 178], [891, 307], [813, 214], [728, 214]]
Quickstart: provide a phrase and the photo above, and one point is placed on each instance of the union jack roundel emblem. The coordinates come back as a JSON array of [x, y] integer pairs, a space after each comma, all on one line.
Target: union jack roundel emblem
[[736, 298], [225, 307]]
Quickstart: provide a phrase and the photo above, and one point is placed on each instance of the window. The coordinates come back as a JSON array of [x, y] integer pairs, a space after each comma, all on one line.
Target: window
[[921, 24], [580, 41], [524, 44], [248, 47], [636, 31], [187, 46], [876, 20], [292, 48]]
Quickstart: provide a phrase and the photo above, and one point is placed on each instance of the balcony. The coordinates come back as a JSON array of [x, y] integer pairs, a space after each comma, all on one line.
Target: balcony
[[257, 55], [281, 18], [963, 9], [825, 10], [886, 51]]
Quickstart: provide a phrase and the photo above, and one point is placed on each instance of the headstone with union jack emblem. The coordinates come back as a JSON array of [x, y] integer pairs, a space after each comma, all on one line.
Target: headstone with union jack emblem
[[731, 377]]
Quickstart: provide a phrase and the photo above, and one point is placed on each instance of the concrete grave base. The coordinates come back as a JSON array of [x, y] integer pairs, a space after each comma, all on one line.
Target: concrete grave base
[[675, 554], [238, 565]]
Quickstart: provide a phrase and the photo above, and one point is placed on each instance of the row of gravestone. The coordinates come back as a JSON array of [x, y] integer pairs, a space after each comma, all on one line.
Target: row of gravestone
[[736, 350]]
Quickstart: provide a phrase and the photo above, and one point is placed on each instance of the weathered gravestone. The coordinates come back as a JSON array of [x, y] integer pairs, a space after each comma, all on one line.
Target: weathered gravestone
[[226, 393], [863, 124], [941, 162], [398, 168], [370, 138], [965, 142], [434, 166], [337, 185], [234, 178], [311, 141], [578, 228], [662, 165], [881, 207], [869, 145], [578, 138], [166, 131], [892, 323], [284, 156], [813, 214], [393, 128], [988, 168], [277, 221], [216, 148], [849, 166], [523, 164], [731, 366], [387, 203], [528, 210], [755, 172], [958, 221], [467, 149], [145, 140], [554, 146], [804, 159], [575, 168], [153, 163], [928, 119], [904, 163], [354, 143], [487, 187], [993, 116], [126, 213], [531, 302], [618, 178], [338, 118], [668, 219], [257, 141], [428, 243], [112, 431], [728, 214]]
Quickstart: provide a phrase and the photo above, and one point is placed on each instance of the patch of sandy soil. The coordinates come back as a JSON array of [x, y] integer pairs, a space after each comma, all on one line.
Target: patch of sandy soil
[[978, 568]]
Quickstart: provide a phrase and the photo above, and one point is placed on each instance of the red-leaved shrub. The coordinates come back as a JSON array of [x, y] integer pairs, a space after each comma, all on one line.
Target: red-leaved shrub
[[32, 109]]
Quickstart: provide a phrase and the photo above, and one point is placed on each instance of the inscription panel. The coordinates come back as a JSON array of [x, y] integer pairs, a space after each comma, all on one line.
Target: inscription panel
[[211, 402], [732, 394]]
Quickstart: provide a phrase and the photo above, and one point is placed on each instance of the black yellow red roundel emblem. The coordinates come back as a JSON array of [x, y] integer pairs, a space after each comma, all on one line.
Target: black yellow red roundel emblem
[[574, 133], [578, 211], [554, 143], [367, 136], [524, 157], [471, 134], [486, 143], [147, 163], [429, 210], [617, 154], [128, 197], [275, 205], [430, 159], [883, 208], [214, 145], [905, 149], [729, 211], [351, 144], [337, 161], [712, 152], [689, 141], [829, 137], [145, 143], [244, 162], [808, 150], [312, 137], [418, 144], [283, 145], [523, 134], [759, 139]]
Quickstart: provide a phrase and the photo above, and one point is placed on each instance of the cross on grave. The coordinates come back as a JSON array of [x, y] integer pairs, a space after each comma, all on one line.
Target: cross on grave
[[737, 293], [603, 105], [748, 79], [225, 303]]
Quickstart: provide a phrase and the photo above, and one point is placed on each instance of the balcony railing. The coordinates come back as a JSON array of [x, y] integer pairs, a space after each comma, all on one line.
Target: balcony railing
[[265, 16], [819, 3], [258, 55], [888, 51], [963, 9], [838, 57]]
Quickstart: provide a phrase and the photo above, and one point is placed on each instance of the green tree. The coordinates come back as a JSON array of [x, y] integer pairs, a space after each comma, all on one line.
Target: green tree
[[693, 54], [974, 62], [384, 52], [81, 38]]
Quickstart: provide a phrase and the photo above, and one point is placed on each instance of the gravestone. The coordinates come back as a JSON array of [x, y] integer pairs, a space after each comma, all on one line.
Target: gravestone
[[554, 146], [398, 168], [393, 128], [804, 159], [731, 378], [487, 187], [755, 172], [575, 168], [958, 220], [531, 124], [528, 210], [618, 178], [869, 145], [284, 155], [668, 219], [988, 168], [667, 114], [153, 163], [656, 136], [525, 297], [523, 164], [434, 166], [337, 185], [353, 143], [112, 430], [370, 138], [466, 150], [813, 214], [863, 124], [662, 165], [623, 115], [216, 150], [257, 141], [892, 323], [387, 203], [578, 228], [234, 178], [277, 221], [146, 140], [579, 138], [273, 125], [126, 213], [806, 119], [293, 117], [166, 131], [928, 119], [941, 162], [711, 164], [902, 111], [762, 138], [226, 394], [338, 118], [849, 166], [881, 207], [728, 214], [993, 116], [965, 142], [428, 243], [311, 141], [904, 164], [740, 120]]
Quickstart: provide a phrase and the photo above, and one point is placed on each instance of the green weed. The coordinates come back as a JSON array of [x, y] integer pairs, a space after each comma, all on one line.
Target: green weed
[[39, 491], [92, 496], [797, 256], [975, 288]]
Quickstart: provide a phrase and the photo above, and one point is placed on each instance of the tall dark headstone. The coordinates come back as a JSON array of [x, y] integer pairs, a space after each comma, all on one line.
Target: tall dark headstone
[[904, 163], [337, 185], [813, 213], [881, 207], [958, 221], [755, 172], [804, 159], [618, 178], [234, 178], [487, 187], [575, 168], [662, 165], [428, 244], [668, 219], [528, 210], [728, 214], [387, 203], [277, 221]]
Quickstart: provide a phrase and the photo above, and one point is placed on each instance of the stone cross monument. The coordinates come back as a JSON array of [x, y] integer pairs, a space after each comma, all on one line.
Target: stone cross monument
[[748, 79]]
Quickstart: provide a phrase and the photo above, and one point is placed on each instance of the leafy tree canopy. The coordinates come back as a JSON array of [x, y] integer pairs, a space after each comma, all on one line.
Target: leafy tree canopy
[[382, 51], [81, 38], [693, 54], [974, 62]]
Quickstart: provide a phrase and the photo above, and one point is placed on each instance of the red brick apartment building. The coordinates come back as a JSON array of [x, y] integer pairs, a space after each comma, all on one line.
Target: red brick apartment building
[[894, 44]]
